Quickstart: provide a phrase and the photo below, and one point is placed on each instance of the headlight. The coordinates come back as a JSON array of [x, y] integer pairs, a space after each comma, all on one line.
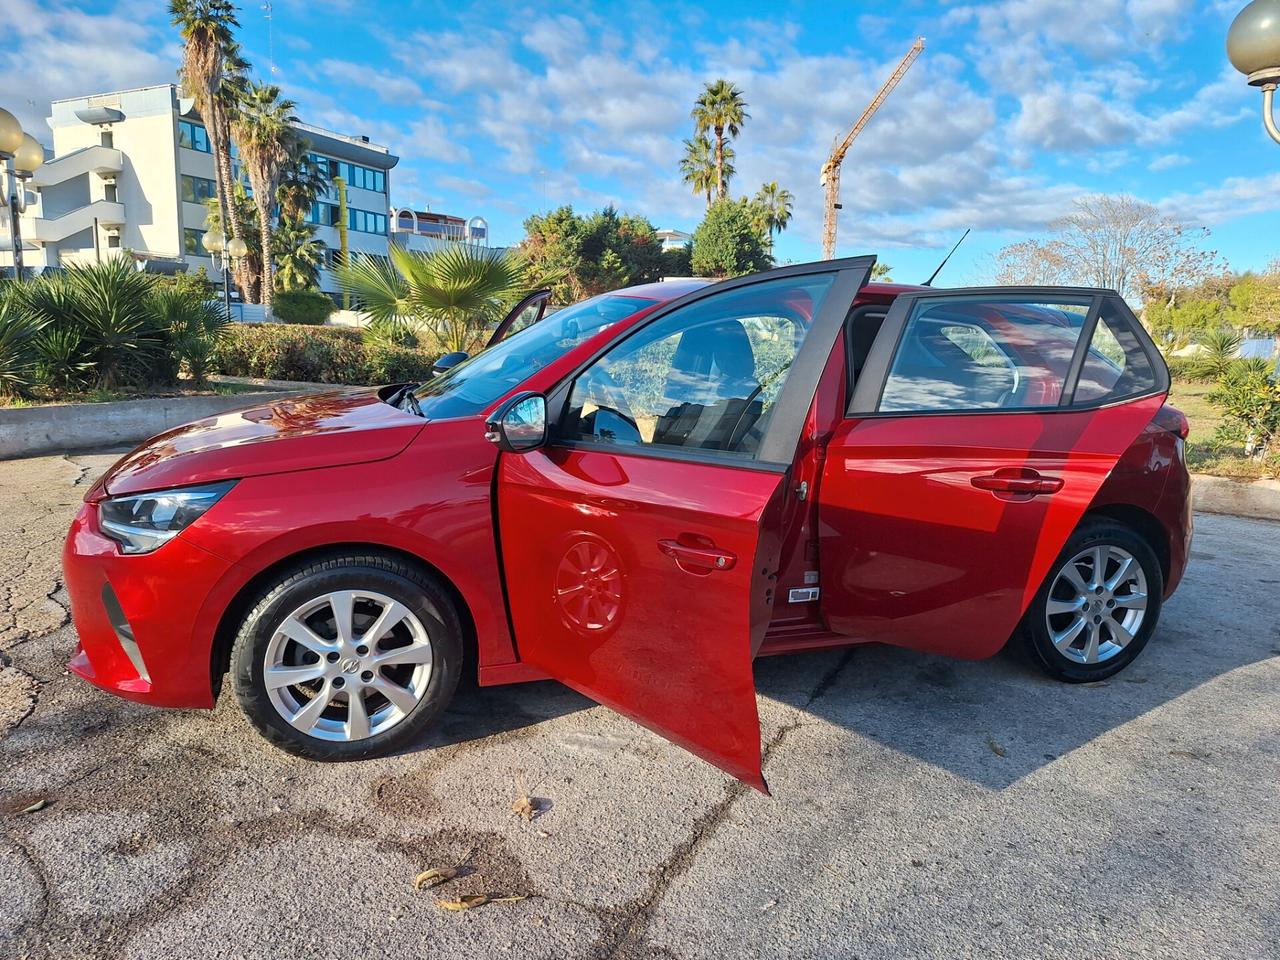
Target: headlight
[[142, 522]]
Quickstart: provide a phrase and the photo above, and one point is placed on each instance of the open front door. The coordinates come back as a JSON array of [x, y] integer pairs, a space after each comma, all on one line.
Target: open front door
[[640, 545], [524, 314], [983, 425]]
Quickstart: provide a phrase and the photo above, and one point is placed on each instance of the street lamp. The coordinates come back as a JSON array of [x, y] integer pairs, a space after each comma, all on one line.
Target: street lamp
[[20, 156], [224, 252], [1253, 46]]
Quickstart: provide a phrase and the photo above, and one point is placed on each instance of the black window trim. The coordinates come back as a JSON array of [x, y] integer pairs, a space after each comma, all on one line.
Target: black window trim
[[851, 274], [865, 399]]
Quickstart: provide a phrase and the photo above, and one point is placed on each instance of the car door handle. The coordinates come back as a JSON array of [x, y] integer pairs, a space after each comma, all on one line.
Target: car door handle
[[1020, 480], [697, 558]]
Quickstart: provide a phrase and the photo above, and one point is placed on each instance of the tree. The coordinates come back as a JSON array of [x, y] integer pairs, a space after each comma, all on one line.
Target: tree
[[1255, 303], [1176, 322], [212, 74], [698, 167], [344, 240], [1116, 242], [301, 181], [776, 204], [592, 253], [455, 293], [881, 272], [298, 254], [720, 109], [263, 131], [727, 243]]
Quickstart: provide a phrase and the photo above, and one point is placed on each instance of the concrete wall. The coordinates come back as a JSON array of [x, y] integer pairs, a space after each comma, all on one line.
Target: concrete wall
[[31, 431]]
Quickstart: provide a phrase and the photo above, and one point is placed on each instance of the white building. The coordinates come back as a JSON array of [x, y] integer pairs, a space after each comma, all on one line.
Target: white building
[[673, 239], [131, 171]]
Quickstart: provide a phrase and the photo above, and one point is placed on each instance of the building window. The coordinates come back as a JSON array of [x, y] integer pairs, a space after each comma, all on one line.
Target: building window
[[113, 239], [111, 192], [193, 136], [198, 189], [107, 139], [364, 221], [365, 178], [193, 243]]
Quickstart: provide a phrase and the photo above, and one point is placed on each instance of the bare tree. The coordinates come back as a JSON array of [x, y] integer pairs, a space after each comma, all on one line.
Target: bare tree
[[1117, 242]]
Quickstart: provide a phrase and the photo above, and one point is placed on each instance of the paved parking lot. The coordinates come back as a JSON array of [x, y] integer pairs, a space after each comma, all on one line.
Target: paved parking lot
[[921, 808]]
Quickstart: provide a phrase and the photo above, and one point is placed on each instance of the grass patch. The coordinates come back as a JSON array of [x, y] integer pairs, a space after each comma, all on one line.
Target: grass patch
[[1205, 454], [42, 396]]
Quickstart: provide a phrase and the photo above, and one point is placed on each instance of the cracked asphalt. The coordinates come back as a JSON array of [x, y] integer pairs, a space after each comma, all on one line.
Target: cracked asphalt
[[922, 807]]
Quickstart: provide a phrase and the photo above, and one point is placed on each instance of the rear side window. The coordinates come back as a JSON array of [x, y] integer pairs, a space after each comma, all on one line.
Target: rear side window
[[1116, 365], [981, 353]]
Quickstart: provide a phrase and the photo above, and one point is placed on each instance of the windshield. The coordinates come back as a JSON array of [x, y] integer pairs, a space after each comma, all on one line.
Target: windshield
[[475, 383]]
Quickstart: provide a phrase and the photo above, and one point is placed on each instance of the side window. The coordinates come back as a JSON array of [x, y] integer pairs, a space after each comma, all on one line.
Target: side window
[[1116, 365], [959, 353], [706, 376]]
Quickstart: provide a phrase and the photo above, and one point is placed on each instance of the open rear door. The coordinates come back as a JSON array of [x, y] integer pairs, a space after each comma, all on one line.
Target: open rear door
[[524, 314], [640, 545]]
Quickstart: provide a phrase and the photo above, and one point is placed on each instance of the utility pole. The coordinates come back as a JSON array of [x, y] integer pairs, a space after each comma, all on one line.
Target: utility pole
[[831, 169]]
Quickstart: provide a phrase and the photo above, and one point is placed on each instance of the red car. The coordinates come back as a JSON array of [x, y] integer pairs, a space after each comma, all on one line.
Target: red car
[[640, 494]]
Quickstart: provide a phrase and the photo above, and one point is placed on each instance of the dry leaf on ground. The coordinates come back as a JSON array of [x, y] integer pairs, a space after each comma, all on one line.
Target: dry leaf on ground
[[526, 807], [38, 805], [471, 901], [1187, 754], [434, 877], [997, 748]]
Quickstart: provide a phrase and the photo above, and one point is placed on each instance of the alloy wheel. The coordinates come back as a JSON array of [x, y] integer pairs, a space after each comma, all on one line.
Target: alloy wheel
[[1097, 604], [347, 665]]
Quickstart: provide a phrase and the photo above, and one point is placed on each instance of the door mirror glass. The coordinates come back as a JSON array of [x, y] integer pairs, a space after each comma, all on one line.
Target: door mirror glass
[[449, 361], [520, 424]]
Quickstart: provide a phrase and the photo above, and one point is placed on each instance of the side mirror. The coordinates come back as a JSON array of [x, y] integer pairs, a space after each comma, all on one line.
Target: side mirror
[[448, 361], [520, 424]]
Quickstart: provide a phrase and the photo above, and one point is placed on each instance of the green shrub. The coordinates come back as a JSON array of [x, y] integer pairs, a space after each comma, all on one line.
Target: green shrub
[[192, 328], [277, 351], [18, 354], [727, 244], [302, 306], [1249, 396], [1218, 353]]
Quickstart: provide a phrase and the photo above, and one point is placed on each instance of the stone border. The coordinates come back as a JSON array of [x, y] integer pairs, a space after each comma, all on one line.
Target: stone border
[[58, 428], [1258, 499]]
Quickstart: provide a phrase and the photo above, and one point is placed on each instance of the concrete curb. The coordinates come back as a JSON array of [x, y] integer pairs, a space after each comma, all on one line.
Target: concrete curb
[[31, 431], [1259, 499]]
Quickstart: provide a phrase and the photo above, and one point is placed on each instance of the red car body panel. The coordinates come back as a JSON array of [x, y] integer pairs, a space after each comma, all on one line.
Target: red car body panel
[[928, 560], [881, 510], [324, 430], [593, 596]]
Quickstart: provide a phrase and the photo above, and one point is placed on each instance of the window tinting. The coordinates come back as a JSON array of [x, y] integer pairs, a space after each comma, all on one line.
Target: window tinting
[[193, 136], [706, 376], [983, 354], [198, 189], [1116, 366]]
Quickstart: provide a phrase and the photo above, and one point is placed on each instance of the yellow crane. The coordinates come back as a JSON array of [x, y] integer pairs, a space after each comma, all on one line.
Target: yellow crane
[[831, 169]]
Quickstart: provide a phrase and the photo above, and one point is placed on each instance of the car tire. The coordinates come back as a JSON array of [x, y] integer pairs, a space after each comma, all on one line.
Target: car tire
[[1108, 626], [292, 633]]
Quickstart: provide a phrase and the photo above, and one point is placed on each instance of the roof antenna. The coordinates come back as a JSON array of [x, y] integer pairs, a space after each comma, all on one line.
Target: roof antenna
[[929, 282]]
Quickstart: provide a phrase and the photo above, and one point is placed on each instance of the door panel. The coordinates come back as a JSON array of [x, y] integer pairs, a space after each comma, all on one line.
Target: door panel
[[526, 313], [964, 464], [914, 554], [646, 584]]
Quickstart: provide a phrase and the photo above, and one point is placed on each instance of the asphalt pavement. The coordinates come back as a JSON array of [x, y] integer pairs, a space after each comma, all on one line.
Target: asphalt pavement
[[921, 807]]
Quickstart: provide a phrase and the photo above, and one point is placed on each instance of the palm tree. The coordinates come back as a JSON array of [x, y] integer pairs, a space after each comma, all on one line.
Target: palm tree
[[263, 130], [454, 293], [720, 109], [776, 204], [698, 166], [298, 254], [210, 58], [301, 181]]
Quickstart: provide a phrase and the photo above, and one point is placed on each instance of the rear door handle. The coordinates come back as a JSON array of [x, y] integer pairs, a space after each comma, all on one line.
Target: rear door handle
[[1018, 480], [697, 558]]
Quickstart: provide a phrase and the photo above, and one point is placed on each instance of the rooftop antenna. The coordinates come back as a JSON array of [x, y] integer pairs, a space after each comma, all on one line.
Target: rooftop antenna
[[271, 43], [929, 282]]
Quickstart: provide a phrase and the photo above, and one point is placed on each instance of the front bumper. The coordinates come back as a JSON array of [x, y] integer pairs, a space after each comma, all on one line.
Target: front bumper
[[143, 633]]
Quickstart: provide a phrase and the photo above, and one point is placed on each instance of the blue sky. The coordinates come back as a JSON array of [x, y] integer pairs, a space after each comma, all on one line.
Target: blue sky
[[1016, 108]]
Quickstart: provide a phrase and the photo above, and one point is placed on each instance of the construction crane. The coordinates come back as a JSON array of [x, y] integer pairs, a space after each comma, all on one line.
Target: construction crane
[[831, 169]]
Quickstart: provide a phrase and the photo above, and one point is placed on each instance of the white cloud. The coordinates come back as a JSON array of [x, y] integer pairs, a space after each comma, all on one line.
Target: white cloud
[[1168, 161], [1234, 197]]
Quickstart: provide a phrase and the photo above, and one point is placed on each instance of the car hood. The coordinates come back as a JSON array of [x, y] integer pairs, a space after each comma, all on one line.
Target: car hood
[[301, 433]]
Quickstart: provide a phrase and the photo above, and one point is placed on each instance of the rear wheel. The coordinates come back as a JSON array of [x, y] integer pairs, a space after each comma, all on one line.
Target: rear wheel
[[348, 657], [1099, 605]]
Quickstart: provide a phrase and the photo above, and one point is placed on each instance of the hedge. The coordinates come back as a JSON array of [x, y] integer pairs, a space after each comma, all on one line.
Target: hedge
[[286, 351], [302, 306]]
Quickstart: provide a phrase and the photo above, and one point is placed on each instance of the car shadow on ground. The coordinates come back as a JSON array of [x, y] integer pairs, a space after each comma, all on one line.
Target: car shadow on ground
[[996, 721]]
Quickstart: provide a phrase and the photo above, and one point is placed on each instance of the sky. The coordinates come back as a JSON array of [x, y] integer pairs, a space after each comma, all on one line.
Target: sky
[[1015, 109]]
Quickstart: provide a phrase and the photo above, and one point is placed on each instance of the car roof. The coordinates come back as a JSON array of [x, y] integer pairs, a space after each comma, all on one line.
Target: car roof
[[665, 291]]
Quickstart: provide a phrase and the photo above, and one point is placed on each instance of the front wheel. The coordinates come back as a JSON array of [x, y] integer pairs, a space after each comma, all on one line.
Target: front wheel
[[1098, 606], [347, 657]]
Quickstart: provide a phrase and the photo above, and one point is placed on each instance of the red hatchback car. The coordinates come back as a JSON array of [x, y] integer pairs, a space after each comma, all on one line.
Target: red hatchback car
[[640, 494]]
